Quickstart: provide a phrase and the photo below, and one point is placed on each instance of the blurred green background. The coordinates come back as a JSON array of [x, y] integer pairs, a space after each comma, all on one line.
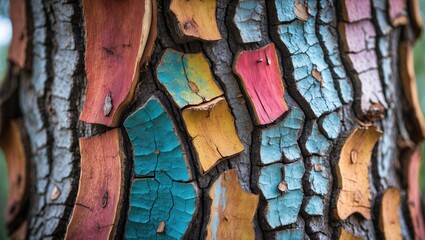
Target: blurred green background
[[5, 35]]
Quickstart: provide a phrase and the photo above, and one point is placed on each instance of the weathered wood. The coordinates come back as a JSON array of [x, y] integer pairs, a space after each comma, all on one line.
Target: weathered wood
[[20, 39], [195, 19], [311, 81], [344, 235], [112, 57], [260, 77], [232, 209], [187, 78], [389, 217], [161, 201], [352, 173], [280, 142], [12, 141], [155, 143], [397, 10], [100, 191], [413, 111], [247, 19], [281, 186], [211, 127], [356, 10], [411, 160]]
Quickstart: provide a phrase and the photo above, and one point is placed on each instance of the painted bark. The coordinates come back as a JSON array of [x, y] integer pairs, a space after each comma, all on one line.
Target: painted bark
[[219, 119]]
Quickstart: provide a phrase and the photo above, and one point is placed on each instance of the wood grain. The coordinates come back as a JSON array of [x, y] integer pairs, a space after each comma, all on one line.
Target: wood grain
[[412, 111], [12, 141], [211, 127], [261, 79], [20, 41], [412, 160], [113, 55], [100, 192], [389, 218], [353, 173], [195, 19], [232, 209], [187, 78]]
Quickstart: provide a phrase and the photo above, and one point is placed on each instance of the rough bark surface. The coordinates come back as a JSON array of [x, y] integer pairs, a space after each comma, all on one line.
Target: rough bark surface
[[204, 129]]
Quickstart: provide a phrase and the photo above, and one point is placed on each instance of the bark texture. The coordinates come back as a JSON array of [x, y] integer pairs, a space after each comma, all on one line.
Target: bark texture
[[206, 146]]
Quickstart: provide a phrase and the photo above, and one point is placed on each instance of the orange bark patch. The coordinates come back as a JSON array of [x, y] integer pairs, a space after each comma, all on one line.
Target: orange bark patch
[[413, 112], [196, 19], [389, 219], [232, 209], [212, 128], [353, 173], [11, 141]]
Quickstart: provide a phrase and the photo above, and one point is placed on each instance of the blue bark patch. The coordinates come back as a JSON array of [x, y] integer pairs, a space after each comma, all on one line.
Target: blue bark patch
[[314, 206], [330, 125], [187, 78], [163, 195], [315, 142], [155, 143], [290, 234], [280, 141], [318, 175], [318, 94], [153, 201], [248, 17], [283, 208]]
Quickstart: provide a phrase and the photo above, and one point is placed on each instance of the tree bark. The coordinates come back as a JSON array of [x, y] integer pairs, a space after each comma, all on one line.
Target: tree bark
[[327, 159]]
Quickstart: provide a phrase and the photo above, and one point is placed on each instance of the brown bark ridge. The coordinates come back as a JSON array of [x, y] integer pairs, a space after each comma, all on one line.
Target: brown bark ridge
[[189, 157]]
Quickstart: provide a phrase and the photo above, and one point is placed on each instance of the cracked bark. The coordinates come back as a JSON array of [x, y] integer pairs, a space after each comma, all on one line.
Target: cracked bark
[[50, 97]]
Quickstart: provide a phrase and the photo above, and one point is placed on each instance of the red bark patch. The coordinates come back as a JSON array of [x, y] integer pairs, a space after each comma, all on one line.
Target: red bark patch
[[261, 79]]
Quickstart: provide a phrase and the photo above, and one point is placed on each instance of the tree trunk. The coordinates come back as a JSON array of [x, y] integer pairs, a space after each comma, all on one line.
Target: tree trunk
[[220, 120]]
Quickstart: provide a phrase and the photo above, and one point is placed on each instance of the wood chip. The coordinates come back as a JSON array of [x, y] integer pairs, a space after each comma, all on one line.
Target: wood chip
[[283, 187], [301, 11], [55, 193], [161, 227]]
